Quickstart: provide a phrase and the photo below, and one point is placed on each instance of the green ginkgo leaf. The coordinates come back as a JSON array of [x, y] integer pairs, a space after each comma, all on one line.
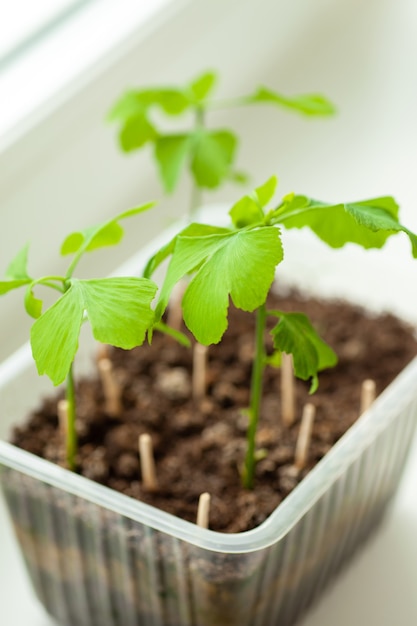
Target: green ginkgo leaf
[[171, 153], [202, 86], [249, 210], [213, 156], [136, 132], [16, 272], [10, 285], [133, 103], [368, 223], [192, 230], [246, 212], [227, 266], [33, 305], [294, 334], [307, 104], [126, 107], [172, 100], [107, 233], [265, 192], [118, 310], [17, 268]]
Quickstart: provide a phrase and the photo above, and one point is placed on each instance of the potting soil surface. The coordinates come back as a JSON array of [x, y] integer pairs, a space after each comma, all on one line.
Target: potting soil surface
[[200, 445]]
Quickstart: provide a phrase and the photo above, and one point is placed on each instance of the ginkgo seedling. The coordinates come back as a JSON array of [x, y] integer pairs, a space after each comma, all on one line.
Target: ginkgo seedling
[[118, 310], [208, 153], [238, 264]]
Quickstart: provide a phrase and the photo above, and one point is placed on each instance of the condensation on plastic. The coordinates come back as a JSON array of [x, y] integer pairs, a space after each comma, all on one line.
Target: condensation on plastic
[[99, 558]]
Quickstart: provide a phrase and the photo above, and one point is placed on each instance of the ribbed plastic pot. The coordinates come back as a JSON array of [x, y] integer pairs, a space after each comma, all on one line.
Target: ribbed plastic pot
[[99, 558]]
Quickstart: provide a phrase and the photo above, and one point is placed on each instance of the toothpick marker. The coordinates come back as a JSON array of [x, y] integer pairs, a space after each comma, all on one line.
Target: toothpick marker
[[174, 318], [304, 436], [147, 463], [103, 351], [199, 371], [111, 388], [368, 394], [62, 410], [203, 512]]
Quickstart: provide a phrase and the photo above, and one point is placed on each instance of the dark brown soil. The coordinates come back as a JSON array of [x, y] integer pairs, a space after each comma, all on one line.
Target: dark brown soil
[[199, 446]]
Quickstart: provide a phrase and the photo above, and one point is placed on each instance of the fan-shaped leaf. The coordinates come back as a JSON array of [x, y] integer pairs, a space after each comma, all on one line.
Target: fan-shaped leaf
[[307, 104], [108, 233], [118, 310], [213, 156], [368, 223], [203, 85], [294, 334], [171, 153], [240, 265]]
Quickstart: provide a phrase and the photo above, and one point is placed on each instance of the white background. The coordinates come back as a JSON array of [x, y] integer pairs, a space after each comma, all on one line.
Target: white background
[[64, 171], [21, 20]]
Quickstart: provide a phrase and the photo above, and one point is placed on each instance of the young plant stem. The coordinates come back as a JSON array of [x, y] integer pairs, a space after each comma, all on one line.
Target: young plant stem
[[71, 442], [287, 390], [255, 399], [195, 204], [227, 103], [196, 193]]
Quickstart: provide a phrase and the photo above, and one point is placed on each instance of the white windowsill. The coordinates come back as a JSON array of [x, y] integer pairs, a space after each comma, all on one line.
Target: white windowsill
[[41, 80]]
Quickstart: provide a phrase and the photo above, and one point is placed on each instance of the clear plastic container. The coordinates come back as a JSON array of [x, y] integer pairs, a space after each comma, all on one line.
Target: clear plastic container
[[99, 558]]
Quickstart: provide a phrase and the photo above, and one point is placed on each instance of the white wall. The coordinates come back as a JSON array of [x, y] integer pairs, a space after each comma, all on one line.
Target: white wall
[[67, 171]]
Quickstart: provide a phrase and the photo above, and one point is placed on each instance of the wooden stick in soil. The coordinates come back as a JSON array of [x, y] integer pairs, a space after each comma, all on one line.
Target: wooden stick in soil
[[368, 394], [62, 410], [174, 316], [304, 436], [199, 371], [111, 388], [103, 352], [203, 512], [147, 463], [287, 390]]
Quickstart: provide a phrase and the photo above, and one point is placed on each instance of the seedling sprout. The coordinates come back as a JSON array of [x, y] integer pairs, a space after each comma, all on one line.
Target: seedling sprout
[[208, 153], [238, 263], [118, 309]]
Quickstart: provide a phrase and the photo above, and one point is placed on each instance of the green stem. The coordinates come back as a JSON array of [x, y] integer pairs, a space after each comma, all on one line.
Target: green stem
[[255, 399], [195, 203], [71, 442], [49, 281], [196, 192], [228, 103]]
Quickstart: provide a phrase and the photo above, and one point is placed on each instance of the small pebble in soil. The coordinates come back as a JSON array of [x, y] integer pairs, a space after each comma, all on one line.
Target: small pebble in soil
[[126, 465], [289, 477], [175, 384], [224, 393], [216, 435], [95, 465]]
